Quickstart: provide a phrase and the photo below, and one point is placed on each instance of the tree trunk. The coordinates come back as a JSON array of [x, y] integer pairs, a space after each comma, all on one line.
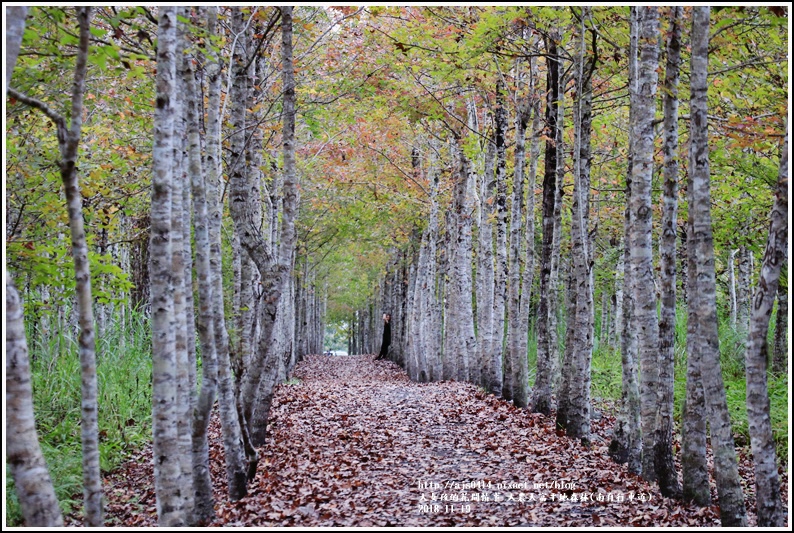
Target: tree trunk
[[462, 270], [276, 272], [529, 230], [23, 453], [68, 143], [15, 29], [706, 341], [626, 444], [573, 412], [167, 467], [645, 318], [732, 287], [664, 464], [743, 292], [516, 371], [780, 351], [767, 485], [230, 424], [491, 376], [179, 250], [541, 396], [204, 500]]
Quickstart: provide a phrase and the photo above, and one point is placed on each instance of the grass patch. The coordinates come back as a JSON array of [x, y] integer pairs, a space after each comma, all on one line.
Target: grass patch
[[124, 374], [607, 379]]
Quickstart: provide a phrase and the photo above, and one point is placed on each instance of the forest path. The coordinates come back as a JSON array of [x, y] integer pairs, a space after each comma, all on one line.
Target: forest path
[[353, 442], [356, 443]]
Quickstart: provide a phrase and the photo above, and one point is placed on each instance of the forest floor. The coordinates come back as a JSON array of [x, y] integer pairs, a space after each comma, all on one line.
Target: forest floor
[[353, 442]]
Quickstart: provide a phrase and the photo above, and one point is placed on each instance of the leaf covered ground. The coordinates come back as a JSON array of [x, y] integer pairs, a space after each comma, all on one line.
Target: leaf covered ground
[[353, 442]]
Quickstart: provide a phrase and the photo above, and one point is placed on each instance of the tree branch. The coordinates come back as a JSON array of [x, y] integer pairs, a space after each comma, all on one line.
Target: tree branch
[[57, 118]]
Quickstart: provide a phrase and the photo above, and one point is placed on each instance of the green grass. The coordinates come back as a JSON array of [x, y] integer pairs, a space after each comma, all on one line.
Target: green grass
[[607, 382], [607, 376], [124, 374]]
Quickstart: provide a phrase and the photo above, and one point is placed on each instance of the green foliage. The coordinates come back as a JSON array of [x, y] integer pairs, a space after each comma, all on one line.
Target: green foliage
[[607, 382], [124, 375]]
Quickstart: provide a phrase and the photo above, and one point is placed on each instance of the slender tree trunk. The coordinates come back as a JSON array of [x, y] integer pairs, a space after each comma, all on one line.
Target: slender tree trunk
[[780, 351], [276, 272], [645, 318], [431, 320], [573, 412], [230, 424], [179, 249], [706, 341], [529, 230], [463, 260], [744, 292], [451, 322], [732, 286], [693, 432], [23, 453], [541, 398], [501, 272], [516, 371], [202, 483], [626, 444], [167, 467], [767, 485], [663, 442], [491, 377]]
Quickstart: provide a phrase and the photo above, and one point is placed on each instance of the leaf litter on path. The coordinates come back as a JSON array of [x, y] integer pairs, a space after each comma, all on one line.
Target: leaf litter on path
[[353, 442]]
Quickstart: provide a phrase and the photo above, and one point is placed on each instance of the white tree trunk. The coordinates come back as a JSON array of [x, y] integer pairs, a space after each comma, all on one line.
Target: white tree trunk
[[573, 412], [23, 453], [179, 249], [515, 372], [541, 395], [706, 341], [767, 485], [204, 500], [645, 317], [227, 406], [664, 464], [167, 467], [626, 444]]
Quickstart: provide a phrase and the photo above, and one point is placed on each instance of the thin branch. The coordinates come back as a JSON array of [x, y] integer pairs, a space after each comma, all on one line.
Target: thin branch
[[392, 163], [57, 118]]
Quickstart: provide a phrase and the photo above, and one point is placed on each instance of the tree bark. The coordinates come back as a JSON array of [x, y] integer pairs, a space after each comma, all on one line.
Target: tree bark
[[167, 468], [516, 371], [462, 275], [204, 500], [780, 351], [23, 453], [541, 395], [767, 485], [573, 412], [645, 318], [706, 341], [275, 271], [626, 444], [664, 464], [744, 292], [15, 29], [68, 143], [227, 406], [179, 250], [491, 376]]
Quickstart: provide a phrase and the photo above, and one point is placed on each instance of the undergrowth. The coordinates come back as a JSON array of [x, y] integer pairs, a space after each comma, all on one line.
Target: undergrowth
[[124, 374]]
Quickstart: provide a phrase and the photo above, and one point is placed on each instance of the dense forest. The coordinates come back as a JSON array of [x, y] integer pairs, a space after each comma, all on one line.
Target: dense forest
[[581, 213]]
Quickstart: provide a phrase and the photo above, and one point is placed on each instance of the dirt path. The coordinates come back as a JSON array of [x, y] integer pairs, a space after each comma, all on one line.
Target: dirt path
[[353, 442], [357, 443]]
